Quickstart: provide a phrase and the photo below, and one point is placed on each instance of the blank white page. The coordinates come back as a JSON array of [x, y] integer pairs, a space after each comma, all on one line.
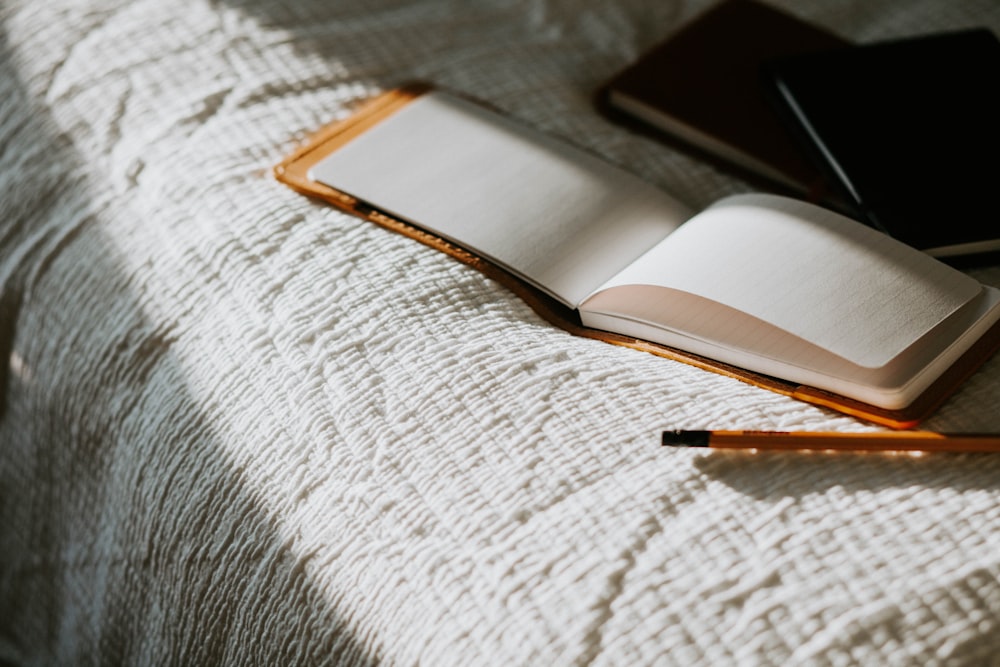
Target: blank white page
[[551, 213], [807, 271]]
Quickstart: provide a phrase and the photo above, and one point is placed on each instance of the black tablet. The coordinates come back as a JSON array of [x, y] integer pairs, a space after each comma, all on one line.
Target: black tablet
[[910, 130]]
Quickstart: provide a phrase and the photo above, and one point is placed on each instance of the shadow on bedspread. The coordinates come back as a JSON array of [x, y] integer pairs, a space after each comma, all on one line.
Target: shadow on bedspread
[[126, 536]]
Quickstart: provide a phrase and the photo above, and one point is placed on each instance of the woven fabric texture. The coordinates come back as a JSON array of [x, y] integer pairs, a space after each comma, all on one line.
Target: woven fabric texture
[[240, 427]]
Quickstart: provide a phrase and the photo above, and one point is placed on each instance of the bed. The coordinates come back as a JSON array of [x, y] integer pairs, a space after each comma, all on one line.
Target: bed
[[238, 426]]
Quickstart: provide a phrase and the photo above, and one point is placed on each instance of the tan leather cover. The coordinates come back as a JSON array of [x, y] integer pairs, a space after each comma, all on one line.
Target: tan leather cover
[[293, 171]]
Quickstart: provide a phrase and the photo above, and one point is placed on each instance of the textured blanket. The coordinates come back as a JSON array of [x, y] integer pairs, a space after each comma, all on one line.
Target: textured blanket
[[240, 427]]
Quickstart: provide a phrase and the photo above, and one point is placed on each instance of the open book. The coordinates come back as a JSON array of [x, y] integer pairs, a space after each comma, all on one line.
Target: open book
[[775, 291]]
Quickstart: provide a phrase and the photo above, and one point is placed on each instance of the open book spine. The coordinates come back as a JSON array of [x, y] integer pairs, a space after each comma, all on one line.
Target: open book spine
[[293, 171]]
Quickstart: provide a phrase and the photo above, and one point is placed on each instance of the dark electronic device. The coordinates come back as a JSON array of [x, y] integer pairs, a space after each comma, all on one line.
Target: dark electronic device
[[911, 131]]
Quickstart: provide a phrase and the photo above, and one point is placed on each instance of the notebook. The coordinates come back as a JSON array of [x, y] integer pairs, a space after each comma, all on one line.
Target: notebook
[[775, 291], [701, 85]]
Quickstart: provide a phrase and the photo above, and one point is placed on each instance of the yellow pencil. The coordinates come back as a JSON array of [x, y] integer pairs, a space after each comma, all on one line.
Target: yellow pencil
[[923, 441]]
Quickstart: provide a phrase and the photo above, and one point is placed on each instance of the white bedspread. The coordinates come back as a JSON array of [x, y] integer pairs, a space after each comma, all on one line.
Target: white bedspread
[[241, 427]]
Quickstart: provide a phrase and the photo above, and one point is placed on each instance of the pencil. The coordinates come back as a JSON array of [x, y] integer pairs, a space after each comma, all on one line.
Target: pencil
[[902, 441]]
